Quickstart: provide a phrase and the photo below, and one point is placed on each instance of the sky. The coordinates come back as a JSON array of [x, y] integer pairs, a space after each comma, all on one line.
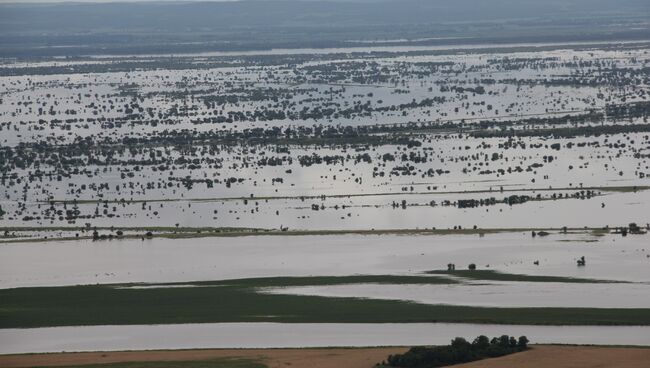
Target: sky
[[99, 1]]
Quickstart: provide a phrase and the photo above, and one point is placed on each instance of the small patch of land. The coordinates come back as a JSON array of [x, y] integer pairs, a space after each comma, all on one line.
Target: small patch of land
[[619, 189], [491, 275], [69, 233]]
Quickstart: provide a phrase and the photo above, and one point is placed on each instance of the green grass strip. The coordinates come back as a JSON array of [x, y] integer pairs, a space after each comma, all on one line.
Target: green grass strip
[[239, 301], [491, 275]]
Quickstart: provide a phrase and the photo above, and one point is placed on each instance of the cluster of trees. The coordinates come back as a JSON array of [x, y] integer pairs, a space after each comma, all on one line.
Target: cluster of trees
[[513, 199], [459, 351]]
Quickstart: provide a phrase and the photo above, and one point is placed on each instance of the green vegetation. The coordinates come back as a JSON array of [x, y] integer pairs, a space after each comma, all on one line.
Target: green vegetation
[[621, 189], [241, 301], [212, 363], [324, 280], [170, 232], [490, 275], [459, 351], [586, 131]]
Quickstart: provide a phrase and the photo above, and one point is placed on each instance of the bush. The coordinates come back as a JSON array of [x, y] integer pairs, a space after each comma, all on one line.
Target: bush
[[459, 351]]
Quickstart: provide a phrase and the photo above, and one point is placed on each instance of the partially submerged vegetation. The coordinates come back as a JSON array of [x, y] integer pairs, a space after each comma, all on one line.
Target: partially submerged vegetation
[[491, 275], [479, 130], [66, 233], [293, 140], [27, 234], [240, 301]]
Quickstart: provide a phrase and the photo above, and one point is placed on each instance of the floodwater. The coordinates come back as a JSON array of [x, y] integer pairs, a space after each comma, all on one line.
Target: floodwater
[[374, 212], [391, 186], [516, 85], [493, 294], [21, 100], [609, 257], [369, 206], [298, 335]]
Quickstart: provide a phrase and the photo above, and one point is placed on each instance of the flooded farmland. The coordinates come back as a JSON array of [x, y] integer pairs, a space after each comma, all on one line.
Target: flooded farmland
[[407, 138], [335, 196], [55, 263], [270, 335]]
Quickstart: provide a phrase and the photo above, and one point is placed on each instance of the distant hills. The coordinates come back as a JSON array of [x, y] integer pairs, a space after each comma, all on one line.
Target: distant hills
[[28, 29]]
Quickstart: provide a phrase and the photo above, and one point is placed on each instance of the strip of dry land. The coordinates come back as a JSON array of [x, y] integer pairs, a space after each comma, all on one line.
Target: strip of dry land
[[539, 356]]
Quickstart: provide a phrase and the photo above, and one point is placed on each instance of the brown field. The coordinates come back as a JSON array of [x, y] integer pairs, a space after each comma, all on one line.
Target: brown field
[[546, 356], [540, 356], [274, 358]]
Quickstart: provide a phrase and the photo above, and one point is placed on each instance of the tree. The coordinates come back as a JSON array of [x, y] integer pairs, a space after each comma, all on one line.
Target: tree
[[513, 342], [460, 343], [459, 351], [504, 341], [522, 343], [481, 342]]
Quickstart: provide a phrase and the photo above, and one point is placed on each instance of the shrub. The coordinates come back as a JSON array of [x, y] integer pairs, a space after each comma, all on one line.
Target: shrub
[[459, 351]]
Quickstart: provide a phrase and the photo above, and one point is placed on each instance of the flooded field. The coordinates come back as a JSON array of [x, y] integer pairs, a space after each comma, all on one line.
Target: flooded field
[[493, 294], [514, 137], [505, 188], [273, 335], [609, 257]]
